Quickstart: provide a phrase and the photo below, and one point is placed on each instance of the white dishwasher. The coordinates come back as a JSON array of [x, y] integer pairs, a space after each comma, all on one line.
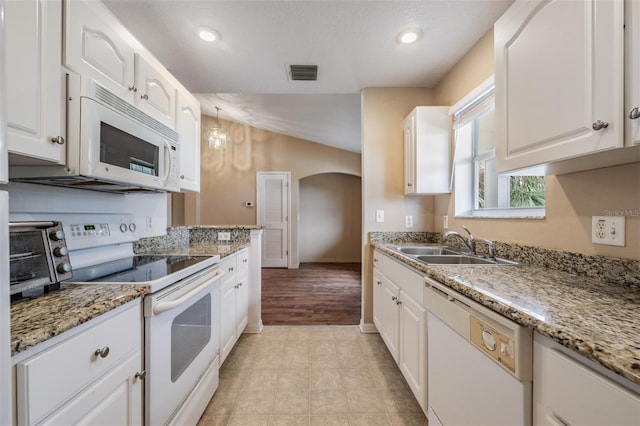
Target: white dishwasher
[[479, 363]]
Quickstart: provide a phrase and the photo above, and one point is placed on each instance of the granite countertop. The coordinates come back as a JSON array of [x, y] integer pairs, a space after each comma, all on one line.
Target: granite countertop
[[599, 320], [221, 250], [38, 319]]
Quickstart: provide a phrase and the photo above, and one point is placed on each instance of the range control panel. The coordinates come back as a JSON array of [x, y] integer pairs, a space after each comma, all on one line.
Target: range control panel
[[494, 343], [90, 230], [93, 230]]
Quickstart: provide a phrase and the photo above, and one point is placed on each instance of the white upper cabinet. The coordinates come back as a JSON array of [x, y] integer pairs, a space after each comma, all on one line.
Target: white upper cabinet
[[96, 46], [426, 151], [559, 81], [35, 84], [632, 72], [155, 91], [188, 126]]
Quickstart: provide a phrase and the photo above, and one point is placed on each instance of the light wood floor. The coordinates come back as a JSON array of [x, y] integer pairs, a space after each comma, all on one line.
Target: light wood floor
[[314, 294]]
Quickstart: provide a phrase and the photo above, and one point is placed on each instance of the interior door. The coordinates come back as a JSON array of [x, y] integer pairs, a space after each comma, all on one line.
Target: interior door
[[273, 214]]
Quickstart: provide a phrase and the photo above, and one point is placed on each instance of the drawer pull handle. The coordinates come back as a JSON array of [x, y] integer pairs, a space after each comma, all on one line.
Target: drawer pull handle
[[141, 375], [102, 353]]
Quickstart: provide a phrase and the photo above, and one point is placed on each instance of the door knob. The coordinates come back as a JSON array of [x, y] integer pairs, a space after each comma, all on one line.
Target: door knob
[[634, 113]]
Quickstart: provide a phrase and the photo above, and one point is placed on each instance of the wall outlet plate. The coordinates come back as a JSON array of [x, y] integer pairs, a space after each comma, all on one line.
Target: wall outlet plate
[[224, 236], [608, 230], [379, 215], [408, 221], [445, 222]]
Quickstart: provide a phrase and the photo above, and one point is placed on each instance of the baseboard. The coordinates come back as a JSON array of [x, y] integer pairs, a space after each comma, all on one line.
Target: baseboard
[[367, 327], [254, 329]]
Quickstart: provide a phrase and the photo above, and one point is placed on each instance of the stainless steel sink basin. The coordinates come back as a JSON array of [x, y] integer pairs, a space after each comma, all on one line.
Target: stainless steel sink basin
[[463, 260], [429, 251], [454, 260]]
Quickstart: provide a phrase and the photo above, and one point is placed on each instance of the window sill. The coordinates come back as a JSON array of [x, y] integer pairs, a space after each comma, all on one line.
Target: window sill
[[527, 214]]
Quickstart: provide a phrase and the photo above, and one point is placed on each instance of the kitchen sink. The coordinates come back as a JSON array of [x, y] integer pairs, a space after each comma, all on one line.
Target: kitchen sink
[[430, 251], [463, 260]]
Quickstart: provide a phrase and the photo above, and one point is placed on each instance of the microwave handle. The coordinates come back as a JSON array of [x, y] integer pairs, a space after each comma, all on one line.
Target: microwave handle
[[169, 160]]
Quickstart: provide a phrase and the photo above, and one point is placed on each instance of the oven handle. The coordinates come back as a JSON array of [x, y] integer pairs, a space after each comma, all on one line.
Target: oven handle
[[166, 306]]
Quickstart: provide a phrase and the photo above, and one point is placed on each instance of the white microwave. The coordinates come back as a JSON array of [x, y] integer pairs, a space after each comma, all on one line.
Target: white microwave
[[112, 146]]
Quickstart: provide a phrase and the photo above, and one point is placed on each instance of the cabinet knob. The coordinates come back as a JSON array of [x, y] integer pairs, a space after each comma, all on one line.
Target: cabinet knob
[[379, 282], [145, 97], [599, 125], [239, 285], [141, 375], [102, 353], [181, 176], [133, 89], [244, 260], [230, 268], [634, 113], [60, 140], [375, 259], [409, 184], [398, 302], [394, 298]]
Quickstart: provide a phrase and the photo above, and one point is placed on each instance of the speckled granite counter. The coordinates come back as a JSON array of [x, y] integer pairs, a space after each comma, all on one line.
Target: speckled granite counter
[[36, 320], [600, 320]]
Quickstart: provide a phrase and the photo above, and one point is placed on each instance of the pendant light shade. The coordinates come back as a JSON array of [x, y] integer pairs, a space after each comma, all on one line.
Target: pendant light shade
[[217, 136]]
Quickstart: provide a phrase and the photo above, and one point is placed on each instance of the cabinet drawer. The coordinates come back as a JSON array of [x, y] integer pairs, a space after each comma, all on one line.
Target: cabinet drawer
[[377, 260], [229, 266], [242, 259], [50, 378], [410, 282]]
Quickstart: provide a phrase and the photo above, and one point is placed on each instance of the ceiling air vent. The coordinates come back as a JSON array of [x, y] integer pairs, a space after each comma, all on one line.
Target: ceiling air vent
[[304, 72]]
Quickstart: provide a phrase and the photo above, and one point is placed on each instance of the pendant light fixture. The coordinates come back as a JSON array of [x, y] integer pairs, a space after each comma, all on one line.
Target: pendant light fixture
[[217, 136]]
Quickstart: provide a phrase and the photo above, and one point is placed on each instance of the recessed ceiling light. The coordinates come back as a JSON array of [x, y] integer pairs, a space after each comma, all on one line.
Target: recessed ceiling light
[[409, 36], [208, 34]]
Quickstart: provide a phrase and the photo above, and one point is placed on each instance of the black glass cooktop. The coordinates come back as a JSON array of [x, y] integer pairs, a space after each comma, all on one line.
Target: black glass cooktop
[[136, 269]]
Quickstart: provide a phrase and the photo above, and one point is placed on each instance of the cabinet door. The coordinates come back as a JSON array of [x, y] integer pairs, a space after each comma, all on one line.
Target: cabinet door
[[566, 392], [96, 47], [632, 72], [35, 83], [188, 127], [378, 295], [559, 81], [242, 305], [227, 318], [156, 93], [114, 399], [391, 317], [409, 154], [413, 345]]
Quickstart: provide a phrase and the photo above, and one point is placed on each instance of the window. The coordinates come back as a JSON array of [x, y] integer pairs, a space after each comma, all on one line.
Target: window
[[479, 190]]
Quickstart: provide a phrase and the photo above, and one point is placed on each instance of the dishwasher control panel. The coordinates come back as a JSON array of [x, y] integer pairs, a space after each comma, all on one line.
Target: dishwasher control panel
[[493, 342]]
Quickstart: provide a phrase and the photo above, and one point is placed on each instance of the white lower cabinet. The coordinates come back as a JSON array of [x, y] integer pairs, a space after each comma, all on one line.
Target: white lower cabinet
[[234, 309], [93, 377], [567, 392], [401, 320]]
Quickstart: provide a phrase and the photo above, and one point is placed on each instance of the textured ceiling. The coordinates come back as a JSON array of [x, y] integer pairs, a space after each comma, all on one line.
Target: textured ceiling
[[352, 42]]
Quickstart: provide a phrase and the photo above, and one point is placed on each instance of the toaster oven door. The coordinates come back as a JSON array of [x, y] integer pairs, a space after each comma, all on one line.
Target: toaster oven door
[[30, 264]]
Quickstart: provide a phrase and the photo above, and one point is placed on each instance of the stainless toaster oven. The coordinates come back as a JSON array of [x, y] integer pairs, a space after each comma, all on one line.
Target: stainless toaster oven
[[38, 257]]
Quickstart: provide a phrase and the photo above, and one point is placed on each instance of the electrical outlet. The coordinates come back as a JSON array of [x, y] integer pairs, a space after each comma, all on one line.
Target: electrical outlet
[[224, 236], [408, 221], [379, 215], [445, 222], [149, 223], [608, 230]]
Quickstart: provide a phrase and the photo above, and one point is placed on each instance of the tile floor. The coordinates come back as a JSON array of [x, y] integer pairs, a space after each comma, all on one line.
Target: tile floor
[[311, 376]]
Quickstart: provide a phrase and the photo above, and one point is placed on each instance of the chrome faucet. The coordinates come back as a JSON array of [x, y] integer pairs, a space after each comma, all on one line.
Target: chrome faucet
[[470, 242]]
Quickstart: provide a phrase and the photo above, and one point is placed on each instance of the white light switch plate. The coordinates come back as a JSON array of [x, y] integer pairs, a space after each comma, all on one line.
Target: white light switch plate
[[379, 215], [608, 230]]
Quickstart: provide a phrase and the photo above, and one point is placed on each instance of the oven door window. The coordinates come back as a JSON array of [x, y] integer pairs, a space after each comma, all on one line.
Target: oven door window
[[190, 333], [28, 258], [123, 150]]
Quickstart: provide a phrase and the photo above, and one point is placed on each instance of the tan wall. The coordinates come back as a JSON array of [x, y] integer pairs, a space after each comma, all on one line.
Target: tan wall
[[383, 110], [228, 178], [571, 198], [330, 218]]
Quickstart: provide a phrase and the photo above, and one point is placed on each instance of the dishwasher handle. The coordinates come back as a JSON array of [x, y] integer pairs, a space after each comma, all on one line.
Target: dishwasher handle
[[164, 306]]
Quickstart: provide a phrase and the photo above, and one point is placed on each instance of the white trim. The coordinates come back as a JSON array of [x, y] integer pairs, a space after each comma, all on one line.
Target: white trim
[[473, 95], [367, 327]]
